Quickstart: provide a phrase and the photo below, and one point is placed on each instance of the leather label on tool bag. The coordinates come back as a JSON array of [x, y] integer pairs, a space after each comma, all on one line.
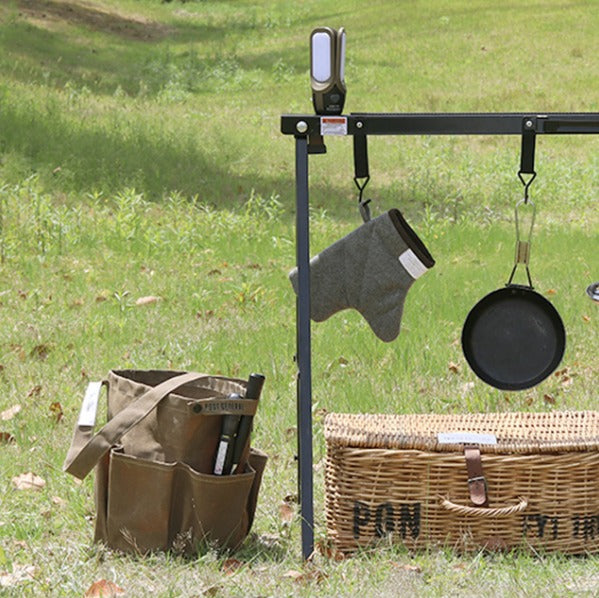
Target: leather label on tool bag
[[87, 415]]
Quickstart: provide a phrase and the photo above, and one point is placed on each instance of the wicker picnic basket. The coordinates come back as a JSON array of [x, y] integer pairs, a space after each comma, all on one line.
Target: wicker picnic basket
[[424, 480]]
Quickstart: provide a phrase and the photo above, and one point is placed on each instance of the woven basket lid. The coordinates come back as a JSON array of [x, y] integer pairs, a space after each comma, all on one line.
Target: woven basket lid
[[557, 431]]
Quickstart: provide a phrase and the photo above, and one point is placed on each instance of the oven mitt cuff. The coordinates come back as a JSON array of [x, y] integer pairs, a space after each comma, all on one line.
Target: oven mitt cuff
[[370, 270]]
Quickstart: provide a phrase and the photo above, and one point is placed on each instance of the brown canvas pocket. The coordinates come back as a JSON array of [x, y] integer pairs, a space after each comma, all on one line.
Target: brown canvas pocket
[[151, 505], [213, 508], [138, 503]]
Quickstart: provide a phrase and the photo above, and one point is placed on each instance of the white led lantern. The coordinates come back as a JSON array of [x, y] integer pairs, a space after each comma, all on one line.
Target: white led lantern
[[327, 70]]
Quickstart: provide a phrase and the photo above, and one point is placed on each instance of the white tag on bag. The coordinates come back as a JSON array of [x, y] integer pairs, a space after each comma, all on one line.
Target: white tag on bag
[[465, 438], [87, 415]]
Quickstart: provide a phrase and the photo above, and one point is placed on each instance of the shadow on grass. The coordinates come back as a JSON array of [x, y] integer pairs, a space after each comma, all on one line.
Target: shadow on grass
[[105, 155], [53, 43], [76, 156], [95, 18]]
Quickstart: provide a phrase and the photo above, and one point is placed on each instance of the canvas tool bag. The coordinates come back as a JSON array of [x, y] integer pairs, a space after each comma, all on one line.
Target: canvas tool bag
[[472, 481], [154, 487]]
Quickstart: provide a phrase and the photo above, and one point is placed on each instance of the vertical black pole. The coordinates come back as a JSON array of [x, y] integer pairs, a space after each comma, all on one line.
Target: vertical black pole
[[304, 375]]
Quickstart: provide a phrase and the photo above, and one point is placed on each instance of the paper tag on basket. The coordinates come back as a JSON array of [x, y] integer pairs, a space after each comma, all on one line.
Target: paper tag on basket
[[465, 438], [87, 415]]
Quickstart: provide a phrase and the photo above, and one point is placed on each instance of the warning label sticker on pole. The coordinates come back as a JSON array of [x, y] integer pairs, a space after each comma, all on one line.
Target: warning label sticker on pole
[[333, 125]]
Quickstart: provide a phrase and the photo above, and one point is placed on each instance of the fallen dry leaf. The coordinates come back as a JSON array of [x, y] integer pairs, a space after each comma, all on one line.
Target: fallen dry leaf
[[566, 380], [549, 399], [286, 512], [56, 411], [586, 319], [28, 481], [230, 566], [295, 575], [40, 352], [320, 412], [310, 574], [10, 413], [328, 550], [34, 391], [454, 367], [409, 567], [207, 313], [103, 589], [148, 300]]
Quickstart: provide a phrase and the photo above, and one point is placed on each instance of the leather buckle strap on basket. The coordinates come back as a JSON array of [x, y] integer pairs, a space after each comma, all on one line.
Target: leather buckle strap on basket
[[472, 481], [155, 488]]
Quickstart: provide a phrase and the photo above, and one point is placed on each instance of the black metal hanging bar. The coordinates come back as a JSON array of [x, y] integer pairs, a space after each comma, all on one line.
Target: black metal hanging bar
[[509, 123]]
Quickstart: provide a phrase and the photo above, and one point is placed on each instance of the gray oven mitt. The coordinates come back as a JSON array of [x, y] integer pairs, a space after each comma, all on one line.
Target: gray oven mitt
[[370, 270]]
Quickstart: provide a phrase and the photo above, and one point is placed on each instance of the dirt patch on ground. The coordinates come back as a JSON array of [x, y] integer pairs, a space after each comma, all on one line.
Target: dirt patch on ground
[[94, 17]]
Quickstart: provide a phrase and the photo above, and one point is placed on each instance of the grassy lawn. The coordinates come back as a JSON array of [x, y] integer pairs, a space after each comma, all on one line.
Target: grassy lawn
[[140, 155]]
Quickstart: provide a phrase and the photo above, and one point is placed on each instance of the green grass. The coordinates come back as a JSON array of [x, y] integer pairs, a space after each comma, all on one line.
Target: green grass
[[140, 154]]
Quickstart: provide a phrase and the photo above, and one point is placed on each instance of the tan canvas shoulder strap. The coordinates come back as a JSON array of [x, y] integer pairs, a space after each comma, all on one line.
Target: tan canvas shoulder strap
[[87, 449]]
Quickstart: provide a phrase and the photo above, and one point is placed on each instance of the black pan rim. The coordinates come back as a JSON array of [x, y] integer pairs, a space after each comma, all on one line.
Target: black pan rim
[[532, 296]]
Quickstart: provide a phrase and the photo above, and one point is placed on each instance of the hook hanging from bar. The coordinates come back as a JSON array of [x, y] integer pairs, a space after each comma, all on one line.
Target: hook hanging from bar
[[527, 155], [363, 205], [527, 184], [361, 172]]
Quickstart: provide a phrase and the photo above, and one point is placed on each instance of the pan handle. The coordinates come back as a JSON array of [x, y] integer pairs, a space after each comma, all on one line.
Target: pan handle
[[522, 254], [485, 511]]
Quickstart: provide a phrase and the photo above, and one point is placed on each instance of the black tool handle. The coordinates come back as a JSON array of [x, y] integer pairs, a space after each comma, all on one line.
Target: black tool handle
[[223, 461], [253, 391]]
